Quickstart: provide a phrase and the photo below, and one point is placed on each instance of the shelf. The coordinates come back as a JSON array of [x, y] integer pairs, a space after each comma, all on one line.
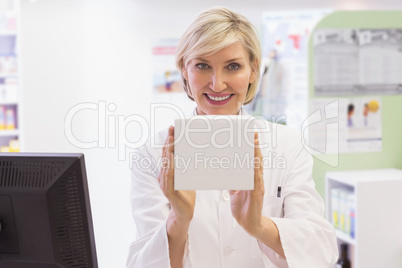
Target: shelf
[[5, 132], [5, 75], [10, 74], [8, 32], [377, 198], [345, 237], [3, 103], [353, 177]]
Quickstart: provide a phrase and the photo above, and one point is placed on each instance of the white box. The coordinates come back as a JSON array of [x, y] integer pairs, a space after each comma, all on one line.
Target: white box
[[214, 152]]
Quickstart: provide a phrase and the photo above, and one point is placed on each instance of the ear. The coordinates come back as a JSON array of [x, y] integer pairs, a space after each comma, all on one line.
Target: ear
[[184, 73], [253, 74]]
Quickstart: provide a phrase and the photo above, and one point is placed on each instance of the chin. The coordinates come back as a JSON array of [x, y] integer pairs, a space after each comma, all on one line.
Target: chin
[[221, 111]]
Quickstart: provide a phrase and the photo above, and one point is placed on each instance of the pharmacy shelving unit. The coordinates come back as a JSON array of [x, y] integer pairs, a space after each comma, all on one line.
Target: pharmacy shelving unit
[[10, 76], [378, 215]]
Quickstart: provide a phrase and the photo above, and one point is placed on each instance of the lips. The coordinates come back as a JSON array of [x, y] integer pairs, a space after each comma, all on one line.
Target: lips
[[220, 96]]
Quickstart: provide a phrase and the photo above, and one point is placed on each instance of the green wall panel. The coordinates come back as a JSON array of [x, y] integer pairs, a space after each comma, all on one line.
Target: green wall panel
[[391, 154]]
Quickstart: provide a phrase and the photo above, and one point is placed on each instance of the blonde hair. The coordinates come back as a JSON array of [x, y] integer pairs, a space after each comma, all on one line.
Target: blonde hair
[[213, 30]]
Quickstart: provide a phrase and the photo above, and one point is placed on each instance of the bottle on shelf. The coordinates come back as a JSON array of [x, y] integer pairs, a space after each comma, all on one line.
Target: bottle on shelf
[[10, 119], [343, 261], [2, 117], [14, 146]]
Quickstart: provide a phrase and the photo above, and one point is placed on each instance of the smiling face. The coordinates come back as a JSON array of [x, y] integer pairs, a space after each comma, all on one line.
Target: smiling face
[[219, 82]]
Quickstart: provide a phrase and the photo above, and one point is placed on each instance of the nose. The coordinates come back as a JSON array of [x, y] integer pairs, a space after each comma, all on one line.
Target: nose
[[217, 83]]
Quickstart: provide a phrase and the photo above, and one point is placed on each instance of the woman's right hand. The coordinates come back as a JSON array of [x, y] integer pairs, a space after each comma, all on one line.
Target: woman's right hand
[[182, 202], [182, 205]]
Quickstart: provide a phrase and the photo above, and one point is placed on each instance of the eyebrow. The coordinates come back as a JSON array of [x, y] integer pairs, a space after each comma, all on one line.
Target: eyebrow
[[231, 60]]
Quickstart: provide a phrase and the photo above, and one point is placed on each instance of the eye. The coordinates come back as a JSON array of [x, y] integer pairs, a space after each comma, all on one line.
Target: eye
[[233, 66], [202, 66]]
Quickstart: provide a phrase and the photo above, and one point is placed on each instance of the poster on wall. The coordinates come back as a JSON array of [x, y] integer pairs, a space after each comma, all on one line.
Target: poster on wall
[[358, 125], [166, 77], [283, 94], [357, 62], [168, 99]]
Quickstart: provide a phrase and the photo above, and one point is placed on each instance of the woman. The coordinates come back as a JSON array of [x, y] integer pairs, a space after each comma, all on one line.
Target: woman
[[278, 224]]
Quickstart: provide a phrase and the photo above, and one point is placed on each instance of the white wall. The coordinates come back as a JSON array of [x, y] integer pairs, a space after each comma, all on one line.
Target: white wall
[[76, 51], [52, 65]]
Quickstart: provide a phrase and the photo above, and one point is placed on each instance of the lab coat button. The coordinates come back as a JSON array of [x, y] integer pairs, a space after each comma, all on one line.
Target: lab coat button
[[226, 196], [227, 251]]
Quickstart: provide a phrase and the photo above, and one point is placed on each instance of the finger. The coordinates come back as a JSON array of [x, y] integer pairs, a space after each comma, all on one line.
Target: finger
[[165, 150], [171, 134], [258, 168], [171, 146], [257, 149], [170, 173], [162, 168], [255, 138], [171, 160], [232, 192], [168, 150], [162, 178], [257, 154], [164, 158], [171, 131], [165, 147]]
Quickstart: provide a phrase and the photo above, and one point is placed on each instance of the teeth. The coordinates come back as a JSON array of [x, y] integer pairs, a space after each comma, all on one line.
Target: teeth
[[218, 98]]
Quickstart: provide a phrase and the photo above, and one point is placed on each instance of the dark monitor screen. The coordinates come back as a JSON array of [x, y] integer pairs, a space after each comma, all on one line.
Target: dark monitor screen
[[45, 213]]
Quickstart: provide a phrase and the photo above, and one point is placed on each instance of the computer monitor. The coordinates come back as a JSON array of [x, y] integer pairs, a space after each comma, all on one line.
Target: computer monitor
[[45, 213]]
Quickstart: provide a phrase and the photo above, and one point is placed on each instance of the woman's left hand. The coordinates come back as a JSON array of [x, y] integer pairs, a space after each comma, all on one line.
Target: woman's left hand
[[246, 205]]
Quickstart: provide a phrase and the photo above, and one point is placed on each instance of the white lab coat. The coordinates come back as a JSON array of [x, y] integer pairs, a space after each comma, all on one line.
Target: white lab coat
[[215, 239]]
